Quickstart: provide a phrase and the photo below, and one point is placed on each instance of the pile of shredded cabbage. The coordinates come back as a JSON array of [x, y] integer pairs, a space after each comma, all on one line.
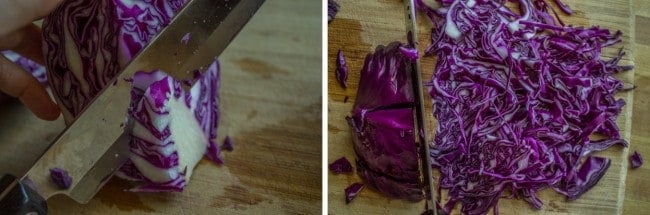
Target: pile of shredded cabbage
[[517, 96]]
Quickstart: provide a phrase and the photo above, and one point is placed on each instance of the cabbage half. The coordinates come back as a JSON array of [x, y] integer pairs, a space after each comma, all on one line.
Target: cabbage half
[[382, 124], [86, 44]]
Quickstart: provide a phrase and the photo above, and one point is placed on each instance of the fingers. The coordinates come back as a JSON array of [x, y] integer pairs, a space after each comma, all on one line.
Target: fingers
[[18, 13], [16, 82], [26, 41], [24, 38], [31, 44]]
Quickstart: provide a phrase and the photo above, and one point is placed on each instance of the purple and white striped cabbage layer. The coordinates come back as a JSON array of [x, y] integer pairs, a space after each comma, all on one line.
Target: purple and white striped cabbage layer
[[173, 129], [87, 42], [140, 21]]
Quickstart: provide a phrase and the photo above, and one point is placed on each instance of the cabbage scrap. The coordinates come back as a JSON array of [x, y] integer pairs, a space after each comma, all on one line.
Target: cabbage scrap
[[61, 178], [517, 97], [341, 165], [332, 9], [186, 38], [636, 160], [352, 191], [341, 71], [227, 144]]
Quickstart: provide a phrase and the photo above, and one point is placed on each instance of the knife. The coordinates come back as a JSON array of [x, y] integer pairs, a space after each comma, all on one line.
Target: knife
[[420, 129], [96, 143]]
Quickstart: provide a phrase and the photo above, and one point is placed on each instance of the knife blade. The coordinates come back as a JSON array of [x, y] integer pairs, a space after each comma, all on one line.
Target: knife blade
[[95, 144], [420, 129]]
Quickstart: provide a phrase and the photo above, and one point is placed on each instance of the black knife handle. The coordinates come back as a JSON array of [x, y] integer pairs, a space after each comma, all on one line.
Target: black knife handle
[[21, 200]]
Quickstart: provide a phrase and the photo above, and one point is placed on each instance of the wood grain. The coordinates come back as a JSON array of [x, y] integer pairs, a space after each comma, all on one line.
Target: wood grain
[[270, 106], [637, 184], [362, 25]]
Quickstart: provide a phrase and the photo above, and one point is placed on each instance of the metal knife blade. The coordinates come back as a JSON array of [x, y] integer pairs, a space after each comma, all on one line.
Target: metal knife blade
[[420, 129], [103, 169], [87, 148]]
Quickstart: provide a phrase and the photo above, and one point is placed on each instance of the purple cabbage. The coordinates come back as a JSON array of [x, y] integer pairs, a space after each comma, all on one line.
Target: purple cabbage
[[565, 8], [636, 160], [382, 124], [332, 9], [342, 165], [174, 129], [352, 191], [410, 53], [517, 97], [383, 81], [590, 172], [186, 38], [87, 42], [61, 178], [227, 144], [405, 189], [341, 70]]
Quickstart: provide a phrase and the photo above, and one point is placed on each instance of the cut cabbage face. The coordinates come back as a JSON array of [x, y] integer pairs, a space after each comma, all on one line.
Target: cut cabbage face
[[173, 129]]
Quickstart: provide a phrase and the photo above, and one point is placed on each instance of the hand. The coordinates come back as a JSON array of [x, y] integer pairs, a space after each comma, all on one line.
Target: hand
[[21, 36]]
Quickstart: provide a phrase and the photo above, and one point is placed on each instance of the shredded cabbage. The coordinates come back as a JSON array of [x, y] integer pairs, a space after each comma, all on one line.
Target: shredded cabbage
[[517, 97]]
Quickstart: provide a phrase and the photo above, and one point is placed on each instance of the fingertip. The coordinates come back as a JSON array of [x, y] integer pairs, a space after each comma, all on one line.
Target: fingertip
[[51, 113], [16, 82], [37, 100]]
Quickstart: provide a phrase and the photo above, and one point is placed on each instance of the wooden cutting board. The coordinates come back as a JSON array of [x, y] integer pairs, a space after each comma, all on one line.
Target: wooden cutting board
[[637, 189], [270, 106], [362, 25]]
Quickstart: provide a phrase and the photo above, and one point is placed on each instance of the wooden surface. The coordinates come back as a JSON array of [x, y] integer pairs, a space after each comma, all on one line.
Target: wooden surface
[[362, 25], [637, 184], [270, 106]]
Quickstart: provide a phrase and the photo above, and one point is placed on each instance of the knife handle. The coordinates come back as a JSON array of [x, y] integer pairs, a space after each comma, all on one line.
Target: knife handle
[[21, 200]]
